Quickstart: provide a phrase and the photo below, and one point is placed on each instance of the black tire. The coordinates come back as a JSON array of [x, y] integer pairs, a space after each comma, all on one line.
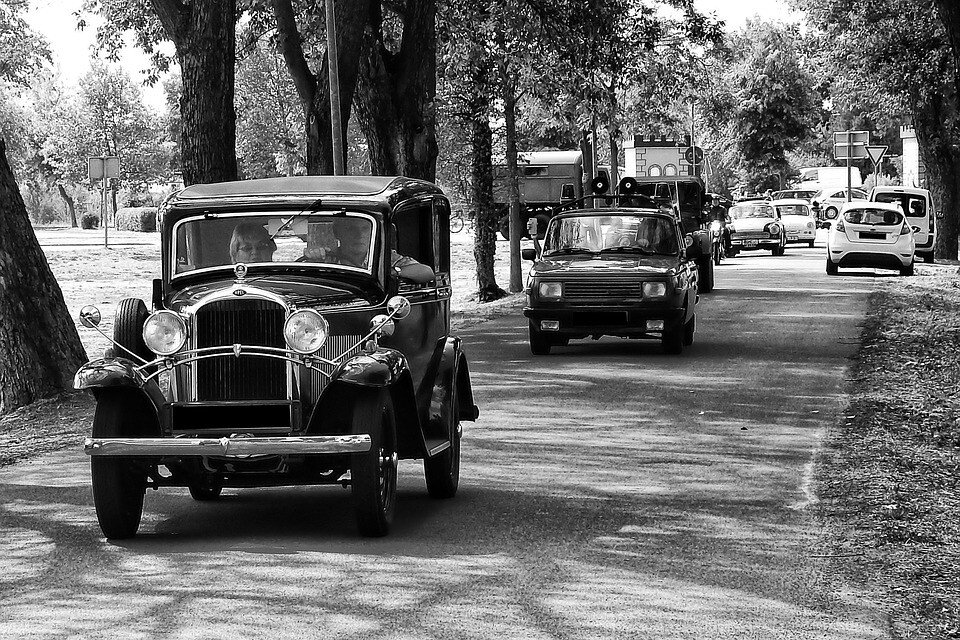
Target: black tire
[[928, 258], [205, 493], [118, 482], [442, 471], [456, 224], [539, 343], [907, 271], [672, 340], [830, 213], [717, 253], [374, 473], [706, 280], [779, 250], [689, 330], [832, 268], [128, 329], [810, 243]]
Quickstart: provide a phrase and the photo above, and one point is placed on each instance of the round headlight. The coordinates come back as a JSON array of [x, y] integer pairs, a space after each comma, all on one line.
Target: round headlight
[[164, 333], [305, 331], [774, 229]]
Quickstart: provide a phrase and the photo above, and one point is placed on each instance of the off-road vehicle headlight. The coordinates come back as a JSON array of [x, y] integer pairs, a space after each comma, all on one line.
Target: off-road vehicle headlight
[[305, 331], [164, 333], [551, 289], [654, 289]]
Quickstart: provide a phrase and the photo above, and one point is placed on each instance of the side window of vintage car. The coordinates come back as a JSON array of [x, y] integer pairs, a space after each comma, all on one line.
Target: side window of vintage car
[[412, 253]]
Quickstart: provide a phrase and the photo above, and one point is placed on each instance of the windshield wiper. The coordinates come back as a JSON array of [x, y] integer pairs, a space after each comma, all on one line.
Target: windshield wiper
[[569, 251], [313, 208], [629, 249]]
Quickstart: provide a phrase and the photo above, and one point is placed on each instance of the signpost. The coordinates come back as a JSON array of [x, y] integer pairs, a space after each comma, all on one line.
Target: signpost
[[103, 168], [849, 145], [876, 154]]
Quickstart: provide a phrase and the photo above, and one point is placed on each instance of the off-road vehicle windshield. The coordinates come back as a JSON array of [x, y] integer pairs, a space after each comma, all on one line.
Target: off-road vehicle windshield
[[623, 233]]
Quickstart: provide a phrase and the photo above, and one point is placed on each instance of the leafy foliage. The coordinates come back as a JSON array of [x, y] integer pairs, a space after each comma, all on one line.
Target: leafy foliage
[[22, 52]]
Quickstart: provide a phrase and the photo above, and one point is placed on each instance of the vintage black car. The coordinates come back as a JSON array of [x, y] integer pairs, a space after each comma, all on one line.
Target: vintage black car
[[616, 271], [285, 345]]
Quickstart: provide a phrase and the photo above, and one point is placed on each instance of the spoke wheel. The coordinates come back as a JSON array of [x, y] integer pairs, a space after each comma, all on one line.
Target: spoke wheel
[[118, 482], [442, 471], [374, 473]]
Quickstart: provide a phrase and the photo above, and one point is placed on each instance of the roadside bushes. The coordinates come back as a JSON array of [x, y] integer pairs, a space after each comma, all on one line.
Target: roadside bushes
[[89, 221], [136, 219]]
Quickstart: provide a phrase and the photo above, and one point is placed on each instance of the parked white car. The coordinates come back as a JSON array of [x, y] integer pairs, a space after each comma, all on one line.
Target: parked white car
[[798, 220], [754, 224], [870, 234], [917, 205], [830, 200]]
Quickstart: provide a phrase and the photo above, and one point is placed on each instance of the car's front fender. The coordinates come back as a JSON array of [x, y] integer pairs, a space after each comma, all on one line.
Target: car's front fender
[[381, 368], [117, 372]]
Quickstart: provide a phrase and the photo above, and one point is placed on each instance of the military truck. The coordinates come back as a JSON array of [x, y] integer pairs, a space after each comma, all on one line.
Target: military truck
[[547, 180]]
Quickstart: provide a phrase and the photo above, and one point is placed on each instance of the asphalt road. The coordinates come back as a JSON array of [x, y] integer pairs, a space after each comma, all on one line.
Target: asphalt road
[[608, 491]]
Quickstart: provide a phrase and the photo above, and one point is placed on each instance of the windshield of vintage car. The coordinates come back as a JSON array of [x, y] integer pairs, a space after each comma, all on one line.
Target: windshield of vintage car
[[741, 211], [793, 210], [872, 216], [342, 240], [627, 233]]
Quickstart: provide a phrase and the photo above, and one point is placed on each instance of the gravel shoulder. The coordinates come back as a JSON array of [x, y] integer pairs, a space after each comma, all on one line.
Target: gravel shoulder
[[888, 474]]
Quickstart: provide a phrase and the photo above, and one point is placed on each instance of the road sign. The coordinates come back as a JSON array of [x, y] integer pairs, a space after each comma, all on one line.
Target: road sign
[[99, 167], [850, 145], [693, 155], [876, 153]]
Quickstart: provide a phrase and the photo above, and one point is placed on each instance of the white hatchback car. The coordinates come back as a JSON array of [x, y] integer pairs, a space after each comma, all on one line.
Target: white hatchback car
[[870, 234], [798, 220]]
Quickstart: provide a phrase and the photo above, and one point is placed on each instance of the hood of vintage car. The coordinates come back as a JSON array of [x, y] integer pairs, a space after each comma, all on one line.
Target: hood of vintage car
[[297, 292], [605, 265], [796, 223], [751, 224]]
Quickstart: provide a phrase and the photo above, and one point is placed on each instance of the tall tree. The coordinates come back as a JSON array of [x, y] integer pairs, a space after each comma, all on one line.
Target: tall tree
[[351, 19], [40, 345], [396, 95], [770, 105], [912, 74], [204, 35]]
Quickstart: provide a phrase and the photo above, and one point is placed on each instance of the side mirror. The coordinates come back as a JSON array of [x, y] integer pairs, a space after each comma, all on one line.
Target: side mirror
[[528, 254], [90, 316]]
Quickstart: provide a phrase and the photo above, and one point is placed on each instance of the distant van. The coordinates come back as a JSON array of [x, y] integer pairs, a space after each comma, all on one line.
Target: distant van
[[827, 177], [917, 206]]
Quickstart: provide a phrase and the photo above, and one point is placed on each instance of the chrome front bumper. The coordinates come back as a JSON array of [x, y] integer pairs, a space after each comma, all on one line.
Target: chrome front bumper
[[243, 446]]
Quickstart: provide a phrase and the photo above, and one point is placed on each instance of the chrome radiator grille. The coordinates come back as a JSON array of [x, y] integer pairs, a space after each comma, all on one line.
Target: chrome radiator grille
[[333, 348], [248, 322], [599, 291]]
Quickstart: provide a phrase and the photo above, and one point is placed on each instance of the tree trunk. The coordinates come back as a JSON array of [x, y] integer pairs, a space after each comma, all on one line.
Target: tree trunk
[[352, 19], [396, 96], [40, 345], [481, 184], [513, 186], [71, 207], [204, 34]]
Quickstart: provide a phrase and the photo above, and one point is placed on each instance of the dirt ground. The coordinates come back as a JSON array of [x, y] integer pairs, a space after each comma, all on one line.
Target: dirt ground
[[888, 477]]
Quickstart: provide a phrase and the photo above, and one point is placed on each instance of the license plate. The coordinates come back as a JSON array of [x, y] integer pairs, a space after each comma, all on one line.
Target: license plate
[[794, 237], [749, 243]]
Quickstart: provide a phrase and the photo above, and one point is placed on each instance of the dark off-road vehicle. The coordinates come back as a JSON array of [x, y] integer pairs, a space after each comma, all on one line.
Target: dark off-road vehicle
[[284, 345]]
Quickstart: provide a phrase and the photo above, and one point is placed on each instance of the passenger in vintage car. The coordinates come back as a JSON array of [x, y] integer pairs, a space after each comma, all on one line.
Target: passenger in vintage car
[[250, 242]]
